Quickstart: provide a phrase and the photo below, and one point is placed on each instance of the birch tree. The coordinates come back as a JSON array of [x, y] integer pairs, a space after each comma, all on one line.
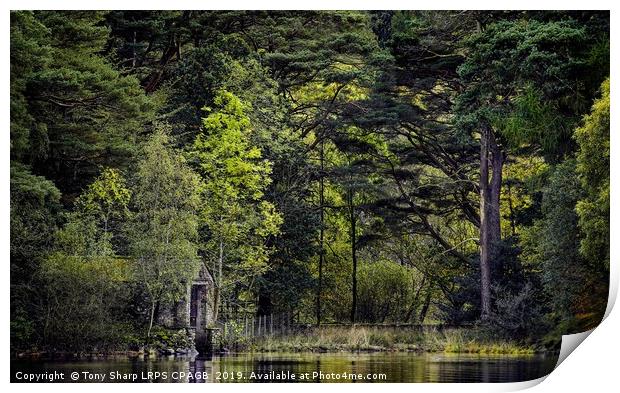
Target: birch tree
[[164, 227]]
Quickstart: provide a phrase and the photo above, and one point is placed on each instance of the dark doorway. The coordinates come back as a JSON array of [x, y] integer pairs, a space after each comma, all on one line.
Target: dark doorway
[[194, 304]]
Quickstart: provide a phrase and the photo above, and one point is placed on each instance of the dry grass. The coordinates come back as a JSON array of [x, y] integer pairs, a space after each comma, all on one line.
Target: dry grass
[[357, 338]]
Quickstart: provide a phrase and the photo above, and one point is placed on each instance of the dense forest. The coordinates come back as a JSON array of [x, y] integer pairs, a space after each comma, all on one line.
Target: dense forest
[[384, 167]]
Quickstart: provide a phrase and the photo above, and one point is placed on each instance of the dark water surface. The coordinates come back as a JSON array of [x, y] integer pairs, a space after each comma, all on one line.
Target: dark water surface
[[295, 367]]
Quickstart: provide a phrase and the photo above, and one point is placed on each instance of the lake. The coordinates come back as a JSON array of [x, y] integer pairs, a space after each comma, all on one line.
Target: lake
[[294, 367]]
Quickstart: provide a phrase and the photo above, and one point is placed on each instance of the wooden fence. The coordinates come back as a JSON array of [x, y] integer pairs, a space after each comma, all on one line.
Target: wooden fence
[[250, 327]]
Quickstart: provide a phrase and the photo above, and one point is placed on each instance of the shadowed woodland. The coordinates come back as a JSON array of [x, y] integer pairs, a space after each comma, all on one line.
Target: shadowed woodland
[[440, 168]]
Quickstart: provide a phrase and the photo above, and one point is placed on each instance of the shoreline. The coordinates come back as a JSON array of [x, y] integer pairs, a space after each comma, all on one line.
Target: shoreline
[[358, 339], [134, 355]]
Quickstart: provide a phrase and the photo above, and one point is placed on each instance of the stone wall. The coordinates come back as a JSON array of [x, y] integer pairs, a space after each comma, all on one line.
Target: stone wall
[[177, 315]]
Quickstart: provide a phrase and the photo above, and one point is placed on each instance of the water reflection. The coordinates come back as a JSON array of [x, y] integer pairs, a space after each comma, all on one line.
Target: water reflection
[[301, 367]]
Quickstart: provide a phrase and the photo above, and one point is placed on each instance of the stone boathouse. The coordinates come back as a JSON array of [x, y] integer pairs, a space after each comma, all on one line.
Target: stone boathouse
[[193, 312]]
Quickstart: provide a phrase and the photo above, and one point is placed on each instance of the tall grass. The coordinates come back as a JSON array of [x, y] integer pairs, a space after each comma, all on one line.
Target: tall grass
[[463, 341], [362, 338]]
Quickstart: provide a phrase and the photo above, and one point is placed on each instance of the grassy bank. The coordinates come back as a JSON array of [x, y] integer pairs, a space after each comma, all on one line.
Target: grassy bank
[[328, 339]]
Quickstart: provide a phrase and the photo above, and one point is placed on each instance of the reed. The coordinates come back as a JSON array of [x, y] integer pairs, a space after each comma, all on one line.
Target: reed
[[363, 338]]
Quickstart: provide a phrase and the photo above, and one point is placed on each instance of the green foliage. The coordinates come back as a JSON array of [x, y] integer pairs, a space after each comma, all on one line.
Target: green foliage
[[527, 80], [84, 298], [35, 210], [293, 137], [70, 109], [171, 339], [197, 79], [29, 46], [162, 232], [225, 154], [106, 198], [593, 171], [517, 314], [562, 265], [82, 281], [575, 287], [519, 76], [99, 210], [533, 119], [35, 203], [387, 292], [237, 218]]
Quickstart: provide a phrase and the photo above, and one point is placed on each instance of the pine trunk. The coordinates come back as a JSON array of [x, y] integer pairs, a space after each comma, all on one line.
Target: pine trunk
[[353, 257], [321, 240], [490, 230]]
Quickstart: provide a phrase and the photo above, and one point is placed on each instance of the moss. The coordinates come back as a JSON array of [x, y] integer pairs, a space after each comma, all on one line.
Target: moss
[[162, 338]]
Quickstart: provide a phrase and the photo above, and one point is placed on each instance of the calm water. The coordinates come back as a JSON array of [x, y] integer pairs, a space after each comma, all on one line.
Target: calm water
[[303, 367]]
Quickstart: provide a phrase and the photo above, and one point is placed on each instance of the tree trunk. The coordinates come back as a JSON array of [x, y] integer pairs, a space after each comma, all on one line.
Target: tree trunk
[[172, 49], [218, 283], [495, 233], [485, 285], [513, 225], [427, 304], [148, 333], [353, 256], [414, 303], [490, 230], [133, 49], [321, 240]]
